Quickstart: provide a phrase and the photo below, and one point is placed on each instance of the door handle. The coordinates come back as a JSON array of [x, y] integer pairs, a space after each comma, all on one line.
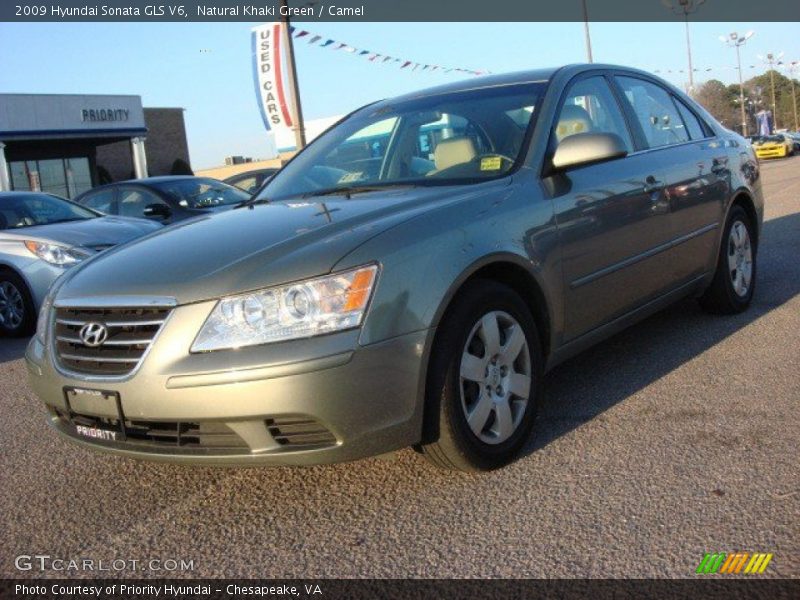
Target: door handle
[[652, 185]]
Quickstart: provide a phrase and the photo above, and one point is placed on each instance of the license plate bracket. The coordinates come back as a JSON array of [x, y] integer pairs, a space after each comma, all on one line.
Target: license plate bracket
[[95, 414]]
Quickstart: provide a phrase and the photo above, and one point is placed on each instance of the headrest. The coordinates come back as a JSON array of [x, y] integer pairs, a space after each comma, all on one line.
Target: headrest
[[574, 119], [453, 151]]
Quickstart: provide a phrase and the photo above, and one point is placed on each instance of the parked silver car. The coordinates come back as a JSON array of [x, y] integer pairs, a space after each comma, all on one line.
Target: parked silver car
[[41, 236], [408, 278]]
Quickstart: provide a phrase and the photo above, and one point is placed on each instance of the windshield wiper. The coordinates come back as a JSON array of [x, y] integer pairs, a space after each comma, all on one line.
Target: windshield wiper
[[251, 202], [348, 191]]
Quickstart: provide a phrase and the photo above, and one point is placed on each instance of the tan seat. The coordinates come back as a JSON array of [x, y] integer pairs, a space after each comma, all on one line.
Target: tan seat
[[453, 151], [573, 119]]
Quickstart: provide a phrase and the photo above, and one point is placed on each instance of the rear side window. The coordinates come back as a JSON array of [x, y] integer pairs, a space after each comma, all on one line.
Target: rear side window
[[660, 121], [696, 131]]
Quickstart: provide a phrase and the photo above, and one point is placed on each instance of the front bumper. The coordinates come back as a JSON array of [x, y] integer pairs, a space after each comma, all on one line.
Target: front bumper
[[359, 400], [772, 152]]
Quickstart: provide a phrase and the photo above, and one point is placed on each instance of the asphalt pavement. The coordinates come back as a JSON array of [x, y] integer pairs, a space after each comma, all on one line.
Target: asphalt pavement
[[675, 438]]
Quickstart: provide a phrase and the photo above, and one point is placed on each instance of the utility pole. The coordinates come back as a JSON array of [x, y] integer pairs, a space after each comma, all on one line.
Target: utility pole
[[737, 41], [792, 67], [686, 7], [297, 126], [586, 32]]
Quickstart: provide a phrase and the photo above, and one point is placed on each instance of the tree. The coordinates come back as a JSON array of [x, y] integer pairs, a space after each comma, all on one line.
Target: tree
[[103, 176], [784, 114], [718, 99], [181, 167]]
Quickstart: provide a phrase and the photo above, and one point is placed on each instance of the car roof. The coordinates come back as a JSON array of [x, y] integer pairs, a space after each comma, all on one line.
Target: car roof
[[518, 77], [252, 172], [481, 82], [159, 179], [144, 181]]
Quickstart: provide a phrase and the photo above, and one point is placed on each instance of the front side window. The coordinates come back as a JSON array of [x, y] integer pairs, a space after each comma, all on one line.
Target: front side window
[[445, 139], [29, 210], [201, 192], [590, 107], [655, 111]]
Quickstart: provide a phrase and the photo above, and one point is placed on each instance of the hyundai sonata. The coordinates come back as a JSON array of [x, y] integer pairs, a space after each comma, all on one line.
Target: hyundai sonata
[[408, 278]]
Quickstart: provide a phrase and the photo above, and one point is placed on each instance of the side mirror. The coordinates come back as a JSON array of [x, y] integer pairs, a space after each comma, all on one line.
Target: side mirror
[[587, 148], [160, 211]]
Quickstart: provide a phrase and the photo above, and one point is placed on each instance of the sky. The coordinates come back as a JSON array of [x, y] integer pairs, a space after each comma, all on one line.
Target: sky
[[206, 68]]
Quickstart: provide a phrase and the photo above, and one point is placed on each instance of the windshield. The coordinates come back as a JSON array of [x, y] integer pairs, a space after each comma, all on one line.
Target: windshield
[[29, 210], [461, 137], [202, 192]]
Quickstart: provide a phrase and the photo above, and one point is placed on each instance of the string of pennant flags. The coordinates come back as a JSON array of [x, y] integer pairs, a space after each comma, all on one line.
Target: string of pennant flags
[[708, 69], [405, 63], [377, 57]]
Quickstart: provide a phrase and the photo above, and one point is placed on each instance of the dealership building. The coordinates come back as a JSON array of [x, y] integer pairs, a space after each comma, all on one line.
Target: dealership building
[[67, 143]]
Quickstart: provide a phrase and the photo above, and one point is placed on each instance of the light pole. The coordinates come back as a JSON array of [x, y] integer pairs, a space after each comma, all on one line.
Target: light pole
[[772, 60], [586, 32], [685, 7], [735, 40], [792, 67], [294, 87]]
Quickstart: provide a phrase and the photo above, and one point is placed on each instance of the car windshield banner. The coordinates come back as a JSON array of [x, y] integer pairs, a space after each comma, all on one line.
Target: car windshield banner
[[269, 42]]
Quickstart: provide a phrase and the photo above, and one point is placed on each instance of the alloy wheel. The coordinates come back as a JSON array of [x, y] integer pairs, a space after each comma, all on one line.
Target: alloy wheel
[[740, 258], [12, 307], [495, 377]]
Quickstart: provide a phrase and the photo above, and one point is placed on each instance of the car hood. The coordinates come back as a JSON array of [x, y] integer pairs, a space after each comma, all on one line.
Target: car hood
[[94, 234], [252, 247]]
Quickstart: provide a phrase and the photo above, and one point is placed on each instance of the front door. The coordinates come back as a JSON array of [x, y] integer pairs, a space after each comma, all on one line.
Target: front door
[[613, 217]]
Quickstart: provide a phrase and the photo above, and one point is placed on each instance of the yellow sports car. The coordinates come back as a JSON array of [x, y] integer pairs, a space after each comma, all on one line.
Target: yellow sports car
[[773, 146]]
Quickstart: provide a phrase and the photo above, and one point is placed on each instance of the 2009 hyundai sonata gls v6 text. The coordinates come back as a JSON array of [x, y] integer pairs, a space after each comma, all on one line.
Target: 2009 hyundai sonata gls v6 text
[[408, 278]]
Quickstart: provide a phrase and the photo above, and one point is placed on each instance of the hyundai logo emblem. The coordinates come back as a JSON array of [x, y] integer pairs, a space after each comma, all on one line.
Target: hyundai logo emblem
[[94, 334]]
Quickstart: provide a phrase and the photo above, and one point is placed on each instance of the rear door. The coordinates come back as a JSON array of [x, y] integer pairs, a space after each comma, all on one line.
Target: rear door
[[695, 165], [613, 218]]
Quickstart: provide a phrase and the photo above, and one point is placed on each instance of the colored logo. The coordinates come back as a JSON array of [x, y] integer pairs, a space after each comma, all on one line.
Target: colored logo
[[735, 563]]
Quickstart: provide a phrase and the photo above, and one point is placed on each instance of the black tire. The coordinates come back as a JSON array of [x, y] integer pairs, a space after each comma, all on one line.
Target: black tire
[[28, 323], [448, 440], [721, 297]]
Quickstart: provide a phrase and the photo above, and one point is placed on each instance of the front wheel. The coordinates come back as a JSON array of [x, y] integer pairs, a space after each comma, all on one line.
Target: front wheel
[[485, 380], [731, 290], [17, 314]]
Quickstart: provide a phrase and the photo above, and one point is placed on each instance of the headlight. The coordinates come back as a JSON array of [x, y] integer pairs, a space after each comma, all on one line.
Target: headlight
[[55, 254], [298, 310], [44, 318]]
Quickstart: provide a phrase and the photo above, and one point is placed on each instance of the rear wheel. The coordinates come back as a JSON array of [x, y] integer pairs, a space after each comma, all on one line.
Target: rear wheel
[[17, 314], [731, 290], [485, 380]]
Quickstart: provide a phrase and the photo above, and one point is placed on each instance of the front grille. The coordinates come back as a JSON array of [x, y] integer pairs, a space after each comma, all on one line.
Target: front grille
[[299, 431], [130, 333], [162, 434]]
